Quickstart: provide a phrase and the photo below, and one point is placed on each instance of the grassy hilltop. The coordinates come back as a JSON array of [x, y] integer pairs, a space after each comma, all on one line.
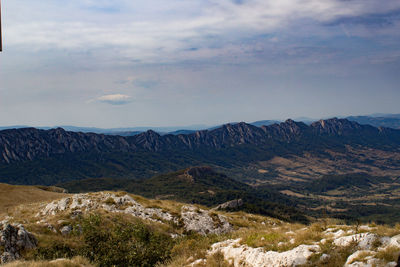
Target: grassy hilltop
[[115, 228]]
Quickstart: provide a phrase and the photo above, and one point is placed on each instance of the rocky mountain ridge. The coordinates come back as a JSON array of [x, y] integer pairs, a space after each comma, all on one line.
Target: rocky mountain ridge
[[27, 144]]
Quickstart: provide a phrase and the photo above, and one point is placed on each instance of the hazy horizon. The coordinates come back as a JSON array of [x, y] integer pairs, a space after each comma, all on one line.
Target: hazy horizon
[[119, 63], [170, 128]]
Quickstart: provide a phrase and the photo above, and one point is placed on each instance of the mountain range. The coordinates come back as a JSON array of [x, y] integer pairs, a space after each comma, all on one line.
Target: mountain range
[[34, 156], [17, 145]]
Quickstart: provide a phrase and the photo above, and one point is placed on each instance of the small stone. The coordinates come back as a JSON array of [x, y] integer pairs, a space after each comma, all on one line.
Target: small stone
[[197, 262], [66, 230], [51, 228], [324, 257], [59, 222]]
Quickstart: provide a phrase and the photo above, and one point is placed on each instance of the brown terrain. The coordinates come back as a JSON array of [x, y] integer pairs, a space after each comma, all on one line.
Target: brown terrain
[[15, 195]]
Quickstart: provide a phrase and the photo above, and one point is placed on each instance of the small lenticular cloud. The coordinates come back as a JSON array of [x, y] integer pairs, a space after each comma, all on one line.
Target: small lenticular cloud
[[116, 99]]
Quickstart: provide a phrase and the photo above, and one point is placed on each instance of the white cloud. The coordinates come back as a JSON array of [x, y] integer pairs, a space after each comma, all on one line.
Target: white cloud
[[157, 32], [116, 99]]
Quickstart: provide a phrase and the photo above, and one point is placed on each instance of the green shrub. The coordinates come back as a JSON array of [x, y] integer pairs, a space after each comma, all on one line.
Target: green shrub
[[111, 241], [123, 244], [57, 250]]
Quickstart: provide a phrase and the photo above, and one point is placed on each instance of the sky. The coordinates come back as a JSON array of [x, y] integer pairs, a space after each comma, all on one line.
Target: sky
[[120, 63]]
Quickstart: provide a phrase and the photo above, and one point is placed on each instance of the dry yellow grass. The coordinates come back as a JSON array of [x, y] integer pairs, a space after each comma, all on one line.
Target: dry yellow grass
[[14, 195], [254, 230], [75, 262]]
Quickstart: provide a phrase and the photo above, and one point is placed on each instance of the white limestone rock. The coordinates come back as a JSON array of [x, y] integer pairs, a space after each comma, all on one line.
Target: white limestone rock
[[193, 219], [364, 240], [242, 255], [366, 228], [198, 262], [324, 257], [351, 259], [200, 221], [54, 207], [394, 241], [120, 204]]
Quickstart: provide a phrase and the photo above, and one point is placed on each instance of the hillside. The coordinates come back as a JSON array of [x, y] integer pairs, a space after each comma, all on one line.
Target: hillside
[[352, 196], [199, 185], [13, 195], [119, 229], [271, 168]]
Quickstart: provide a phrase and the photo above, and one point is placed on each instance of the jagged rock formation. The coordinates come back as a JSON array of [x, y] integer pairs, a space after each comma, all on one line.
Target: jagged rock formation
[[194, 219], [14, 239], [30, 143]]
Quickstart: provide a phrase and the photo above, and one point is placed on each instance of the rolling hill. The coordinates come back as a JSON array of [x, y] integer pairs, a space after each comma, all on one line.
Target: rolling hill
[[198, 185]]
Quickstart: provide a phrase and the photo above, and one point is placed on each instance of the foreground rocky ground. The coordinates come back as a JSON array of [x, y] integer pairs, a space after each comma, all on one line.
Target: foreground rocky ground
[[45, 234]]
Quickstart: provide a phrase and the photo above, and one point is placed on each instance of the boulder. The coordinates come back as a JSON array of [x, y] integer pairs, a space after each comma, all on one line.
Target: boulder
[[204, 222], [351, 260], [364, 241], [14, 239]]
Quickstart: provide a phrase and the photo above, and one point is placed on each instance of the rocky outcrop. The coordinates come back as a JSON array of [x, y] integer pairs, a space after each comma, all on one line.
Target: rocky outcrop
[[193, 218], [364, 241], [14, 239], [204, 222], [242, 255], [366, 250], [80, 203], [233, 204], [288, 131]]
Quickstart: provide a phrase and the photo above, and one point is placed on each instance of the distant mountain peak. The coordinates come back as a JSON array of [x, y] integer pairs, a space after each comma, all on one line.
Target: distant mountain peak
[[335, 126], [290, 121]]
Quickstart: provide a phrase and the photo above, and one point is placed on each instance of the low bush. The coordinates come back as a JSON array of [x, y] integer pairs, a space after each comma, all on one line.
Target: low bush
[[111, 242]]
